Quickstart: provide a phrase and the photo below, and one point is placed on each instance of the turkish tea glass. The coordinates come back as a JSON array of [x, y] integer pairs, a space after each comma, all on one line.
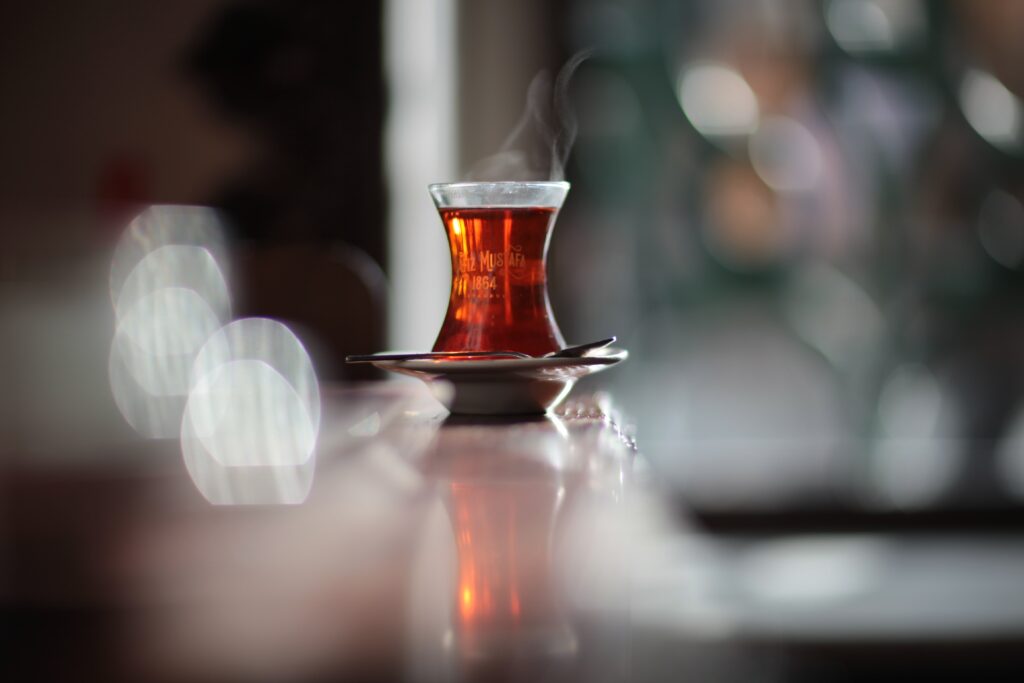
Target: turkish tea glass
[[498, 234]]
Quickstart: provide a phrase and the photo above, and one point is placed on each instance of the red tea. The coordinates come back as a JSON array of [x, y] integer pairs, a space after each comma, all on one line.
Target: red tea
[[499, 298]]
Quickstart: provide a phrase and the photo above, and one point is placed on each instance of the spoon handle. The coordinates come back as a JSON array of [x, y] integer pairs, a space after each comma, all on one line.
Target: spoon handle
[[568, 352], [433, 355]]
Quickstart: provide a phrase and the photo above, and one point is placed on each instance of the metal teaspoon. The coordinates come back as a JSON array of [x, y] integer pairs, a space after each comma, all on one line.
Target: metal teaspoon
[[576, 351]]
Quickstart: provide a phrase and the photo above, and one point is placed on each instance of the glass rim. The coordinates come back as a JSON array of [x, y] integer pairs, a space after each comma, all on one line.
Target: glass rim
[[501, 193], [504, 183]]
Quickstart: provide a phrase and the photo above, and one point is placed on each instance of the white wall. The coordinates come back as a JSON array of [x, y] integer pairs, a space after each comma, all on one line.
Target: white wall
[[420, 148]]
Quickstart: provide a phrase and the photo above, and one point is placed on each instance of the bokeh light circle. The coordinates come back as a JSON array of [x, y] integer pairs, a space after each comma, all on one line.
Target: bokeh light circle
[[166, 225], [265, 340]]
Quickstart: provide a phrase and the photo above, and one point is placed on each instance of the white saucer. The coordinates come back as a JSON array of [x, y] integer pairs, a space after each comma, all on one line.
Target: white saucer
[[512, 386]]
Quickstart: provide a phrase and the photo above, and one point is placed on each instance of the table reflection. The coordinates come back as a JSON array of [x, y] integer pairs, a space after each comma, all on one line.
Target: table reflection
[[429, 548], [503, 497], [520, 569]]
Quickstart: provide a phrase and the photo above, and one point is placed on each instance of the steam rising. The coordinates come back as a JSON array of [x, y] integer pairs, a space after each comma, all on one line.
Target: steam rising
[[539, 145]]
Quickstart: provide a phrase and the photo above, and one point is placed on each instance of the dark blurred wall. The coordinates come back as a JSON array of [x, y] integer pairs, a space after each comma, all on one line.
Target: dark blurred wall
[[96, 109], [271, 111], [305, 78]]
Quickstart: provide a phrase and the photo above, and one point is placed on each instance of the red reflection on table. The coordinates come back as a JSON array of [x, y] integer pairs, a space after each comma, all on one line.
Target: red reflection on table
[[502, 536]]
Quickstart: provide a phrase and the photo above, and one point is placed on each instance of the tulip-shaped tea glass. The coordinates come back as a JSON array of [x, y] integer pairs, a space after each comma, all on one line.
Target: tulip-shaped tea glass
[[498, 233]]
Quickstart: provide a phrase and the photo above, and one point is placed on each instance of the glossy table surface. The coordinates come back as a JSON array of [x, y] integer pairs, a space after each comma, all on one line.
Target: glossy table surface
[[413, 545], [420, 546]]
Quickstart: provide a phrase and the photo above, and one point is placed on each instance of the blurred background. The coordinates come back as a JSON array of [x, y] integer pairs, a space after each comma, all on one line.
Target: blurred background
[[804, 219]]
